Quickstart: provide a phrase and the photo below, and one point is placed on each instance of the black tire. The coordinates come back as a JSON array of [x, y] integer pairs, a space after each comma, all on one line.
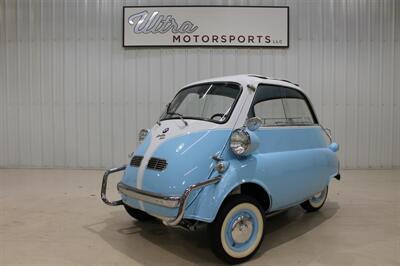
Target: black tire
[[311, 205], [224, 216], [138, 214]]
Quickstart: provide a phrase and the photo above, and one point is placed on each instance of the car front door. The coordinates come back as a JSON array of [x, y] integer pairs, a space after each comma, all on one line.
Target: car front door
[[291, 144]]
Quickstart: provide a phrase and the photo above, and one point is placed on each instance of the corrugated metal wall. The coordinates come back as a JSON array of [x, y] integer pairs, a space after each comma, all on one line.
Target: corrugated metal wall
[[71, 96]]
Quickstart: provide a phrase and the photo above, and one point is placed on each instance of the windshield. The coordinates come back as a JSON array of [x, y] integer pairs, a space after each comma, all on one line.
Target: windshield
[[211, 102]]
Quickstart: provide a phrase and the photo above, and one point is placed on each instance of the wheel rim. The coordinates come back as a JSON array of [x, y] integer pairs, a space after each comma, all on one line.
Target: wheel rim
[[319, 198], [242, 230]]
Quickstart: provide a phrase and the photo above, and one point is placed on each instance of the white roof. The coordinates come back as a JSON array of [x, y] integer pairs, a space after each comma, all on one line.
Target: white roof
[[246, 79]]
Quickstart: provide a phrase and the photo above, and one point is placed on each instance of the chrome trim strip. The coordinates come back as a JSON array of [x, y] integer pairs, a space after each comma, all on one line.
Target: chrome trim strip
[[166, 201], [103, 192], [328, 133]]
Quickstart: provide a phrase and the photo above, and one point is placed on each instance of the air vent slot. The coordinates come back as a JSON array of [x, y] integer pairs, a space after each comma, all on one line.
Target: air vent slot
[[157, 164], [136, 160]]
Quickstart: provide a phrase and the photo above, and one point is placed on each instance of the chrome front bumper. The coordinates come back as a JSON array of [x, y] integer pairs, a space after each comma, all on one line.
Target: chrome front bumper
[[154, 198]]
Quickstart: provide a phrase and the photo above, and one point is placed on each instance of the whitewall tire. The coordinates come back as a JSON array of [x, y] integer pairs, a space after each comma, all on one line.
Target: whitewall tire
[[238, 229], [316, 201]]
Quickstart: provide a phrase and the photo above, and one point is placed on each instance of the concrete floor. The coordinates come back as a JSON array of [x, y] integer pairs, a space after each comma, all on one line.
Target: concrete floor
[[55, 217]]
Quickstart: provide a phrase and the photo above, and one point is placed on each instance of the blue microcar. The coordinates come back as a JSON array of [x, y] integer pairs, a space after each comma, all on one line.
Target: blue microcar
[[226, 152]]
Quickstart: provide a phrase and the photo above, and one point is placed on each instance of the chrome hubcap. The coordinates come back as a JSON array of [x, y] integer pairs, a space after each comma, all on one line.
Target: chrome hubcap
[[318, 198], [242, 229]]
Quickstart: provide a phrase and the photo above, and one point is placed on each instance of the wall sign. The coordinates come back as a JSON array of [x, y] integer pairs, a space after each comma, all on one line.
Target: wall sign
[[206, 26]]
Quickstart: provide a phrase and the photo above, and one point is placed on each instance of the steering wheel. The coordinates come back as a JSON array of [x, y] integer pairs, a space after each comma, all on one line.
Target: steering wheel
[[217, 114]]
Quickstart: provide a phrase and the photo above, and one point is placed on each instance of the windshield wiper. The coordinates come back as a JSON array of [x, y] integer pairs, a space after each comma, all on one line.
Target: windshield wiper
[[180, 116], [177, 114]]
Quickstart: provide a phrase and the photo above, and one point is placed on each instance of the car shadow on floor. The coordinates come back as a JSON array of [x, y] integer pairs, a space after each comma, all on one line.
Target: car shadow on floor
[[193, 247]]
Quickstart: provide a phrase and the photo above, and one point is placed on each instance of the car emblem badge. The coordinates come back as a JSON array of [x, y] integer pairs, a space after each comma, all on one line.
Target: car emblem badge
[[165, 130]]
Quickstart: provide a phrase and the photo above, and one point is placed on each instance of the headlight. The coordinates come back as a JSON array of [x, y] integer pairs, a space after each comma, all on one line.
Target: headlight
[[142, 134], [240, 142]]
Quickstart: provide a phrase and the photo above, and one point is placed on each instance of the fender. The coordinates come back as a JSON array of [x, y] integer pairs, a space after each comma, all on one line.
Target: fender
[[207, 203]]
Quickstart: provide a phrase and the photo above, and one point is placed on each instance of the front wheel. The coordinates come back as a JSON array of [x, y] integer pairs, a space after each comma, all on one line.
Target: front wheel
[[238, 229], [137, 214], [316, 201]]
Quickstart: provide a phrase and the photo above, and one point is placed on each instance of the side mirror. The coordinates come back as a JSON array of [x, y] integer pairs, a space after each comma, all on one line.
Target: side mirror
[[253, 123]]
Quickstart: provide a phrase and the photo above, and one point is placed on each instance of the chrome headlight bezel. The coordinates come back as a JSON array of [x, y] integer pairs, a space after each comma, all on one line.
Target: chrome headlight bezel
[[240, 142], [142, 134]]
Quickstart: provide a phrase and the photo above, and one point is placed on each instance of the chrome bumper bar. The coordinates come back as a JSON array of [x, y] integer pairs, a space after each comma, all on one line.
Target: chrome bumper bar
[[158, 199], [155, 198], [104, 186]]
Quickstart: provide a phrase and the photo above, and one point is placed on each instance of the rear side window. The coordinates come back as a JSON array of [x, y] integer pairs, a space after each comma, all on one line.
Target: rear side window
[[271, 112], [297, 112], [281, 106]]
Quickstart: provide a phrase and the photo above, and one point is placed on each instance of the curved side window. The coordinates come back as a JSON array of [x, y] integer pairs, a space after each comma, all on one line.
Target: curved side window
[[281, 106]]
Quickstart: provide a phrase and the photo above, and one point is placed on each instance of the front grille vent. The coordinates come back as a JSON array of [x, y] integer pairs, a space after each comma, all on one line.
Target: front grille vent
[[157, 164], [136, 160]]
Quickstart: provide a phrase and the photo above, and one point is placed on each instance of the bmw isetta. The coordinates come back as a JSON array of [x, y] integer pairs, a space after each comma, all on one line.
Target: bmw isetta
[[227, 152]]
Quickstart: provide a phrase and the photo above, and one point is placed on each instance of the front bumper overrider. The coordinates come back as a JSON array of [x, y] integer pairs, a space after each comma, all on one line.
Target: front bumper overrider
[[155, 198]]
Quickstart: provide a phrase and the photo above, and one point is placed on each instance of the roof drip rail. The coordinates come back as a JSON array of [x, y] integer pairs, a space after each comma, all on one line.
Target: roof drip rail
[[258, 76], [263, 77], [285, 80]]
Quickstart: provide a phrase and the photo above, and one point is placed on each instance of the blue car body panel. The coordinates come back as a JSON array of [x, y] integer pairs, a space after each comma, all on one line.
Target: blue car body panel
[[189, 162], [290, 164]]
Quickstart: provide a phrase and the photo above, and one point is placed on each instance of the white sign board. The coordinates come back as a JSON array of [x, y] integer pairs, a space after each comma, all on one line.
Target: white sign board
[[206, 26]]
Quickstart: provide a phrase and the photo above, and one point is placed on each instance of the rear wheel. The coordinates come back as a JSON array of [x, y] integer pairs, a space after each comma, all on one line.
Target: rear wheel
[[137, 214], [316, 201], [238, 229]]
